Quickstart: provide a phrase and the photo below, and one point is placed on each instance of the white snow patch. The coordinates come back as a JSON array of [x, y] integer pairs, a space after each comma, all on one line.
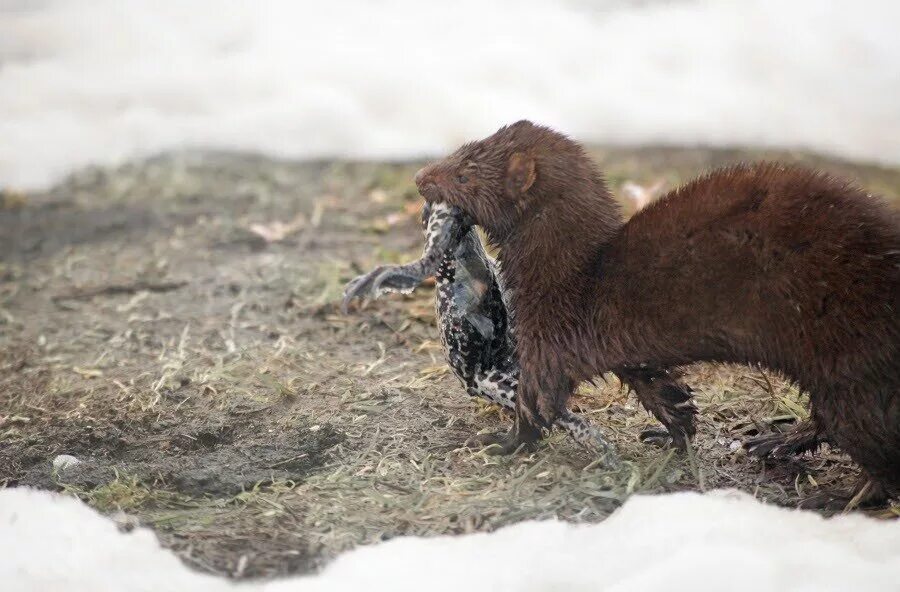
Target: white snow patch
[[684, 541], [99, 81]]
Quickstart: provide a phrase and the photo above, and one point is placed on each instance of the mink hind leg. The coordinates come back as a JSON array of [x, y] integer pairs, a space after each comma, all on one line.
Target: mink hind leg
[[669, 400], [862, 418], [803, 437], [865, 493]]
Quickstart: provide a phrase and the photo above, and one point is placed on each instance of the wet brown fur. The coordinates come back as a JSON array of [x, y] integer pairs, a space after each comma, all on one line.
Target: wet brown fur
[[764, 264]]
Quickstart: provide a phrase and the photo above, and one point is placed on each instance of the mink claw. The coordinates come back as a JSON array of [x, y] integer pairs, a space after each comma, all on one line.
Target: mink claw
[[503, 443]]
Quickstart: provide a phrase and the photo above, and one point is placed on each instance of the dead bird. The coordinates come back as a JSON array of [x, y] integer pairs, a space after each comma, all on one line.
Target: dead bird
[[763, 264], [471, 314]]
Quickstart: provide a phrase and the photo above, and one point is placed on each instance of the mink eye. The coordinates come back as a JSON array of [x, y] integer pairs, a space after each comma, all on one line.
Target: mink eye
[[462, 179]]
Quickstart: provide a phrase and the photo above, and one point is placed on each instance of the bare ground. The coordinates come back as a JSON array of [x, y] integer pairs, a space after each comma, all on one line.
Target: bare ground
[[206, 380]]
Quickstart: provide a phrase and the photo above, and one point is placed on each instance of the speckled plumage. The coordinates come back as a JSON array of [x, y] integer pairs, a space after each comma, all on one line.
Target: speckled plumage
[[472, 316]]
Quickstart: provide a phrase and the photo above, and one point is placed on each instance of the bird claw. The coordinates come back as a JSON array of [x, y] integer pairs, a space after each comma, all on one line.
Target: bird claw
[[381, 280], [801, 438], [360, 287], [397, 280], [603, 447], [588, 436]]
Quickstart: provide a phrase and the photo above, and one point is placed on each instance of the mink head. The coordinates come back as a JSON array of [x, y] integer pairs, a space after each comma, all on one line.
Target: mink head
[[505, 177]]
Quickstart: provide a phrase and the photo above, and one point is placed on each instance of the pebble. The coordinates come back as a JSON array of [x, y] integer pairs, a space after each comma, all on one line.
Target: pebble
[[64, 461]]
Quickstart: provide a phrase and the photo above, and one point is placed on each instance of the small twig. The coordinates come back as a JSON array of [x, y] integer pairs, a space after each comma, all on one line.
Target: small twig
[[400, 337], [399, 488], [116, 289], [252, 411], [287, 460], [860, 495], [767, 384]]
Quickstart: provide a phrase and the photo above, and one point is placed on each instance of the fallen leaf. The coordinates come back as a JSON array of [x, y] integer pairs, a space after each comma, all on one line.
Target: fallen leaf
[[378, 196], [277, 231]]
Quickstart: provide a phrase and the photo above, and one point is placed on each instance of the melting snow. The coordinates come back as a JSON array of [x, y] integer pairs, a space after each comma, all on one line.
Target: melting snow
[[723, 540], [98, 81]]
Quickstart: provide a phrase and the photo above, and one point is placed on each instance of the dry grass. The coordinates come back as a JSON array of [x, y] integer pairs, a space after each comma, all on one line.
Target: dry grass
[[258, 430]]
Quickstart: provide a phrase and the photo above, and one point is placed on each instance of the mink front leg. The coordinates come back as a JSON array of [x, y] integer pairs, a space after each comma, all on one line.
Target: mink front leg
[[528, 423], [499, 387], [548, 395], [541, 400], [805, 436], [544, 391]]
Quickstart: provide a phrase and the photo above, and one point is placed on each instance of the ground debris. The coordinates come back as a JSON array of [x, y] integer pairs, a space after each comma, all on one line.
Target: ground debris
[[260, 438], [88, 292]]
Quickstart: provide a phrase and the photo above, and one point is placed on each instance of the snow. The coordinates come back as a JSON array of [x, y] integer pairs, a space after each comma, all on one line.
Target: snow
[[722, 540], [99, 81]]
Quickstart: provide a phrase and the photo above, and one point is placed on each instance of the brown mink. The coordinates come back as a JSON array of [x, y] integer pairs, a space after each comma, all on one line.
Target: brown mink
[[763, 264]]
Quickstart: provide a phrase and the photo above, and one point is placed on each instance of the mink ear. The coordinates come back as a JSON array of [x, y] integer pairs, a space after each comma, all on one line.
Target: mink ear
[[520, 174]]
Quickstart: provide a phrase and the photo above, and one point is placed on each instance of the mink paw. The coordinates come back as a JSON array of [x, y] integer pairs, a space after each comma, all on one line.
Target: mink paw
[[803, 437], [504, 443], [767, 446], [663, 438]]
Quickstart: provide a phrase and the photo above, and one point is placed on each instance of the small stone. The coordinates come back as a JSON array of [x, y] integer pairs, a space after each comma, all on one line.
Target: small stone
[[64, 461]]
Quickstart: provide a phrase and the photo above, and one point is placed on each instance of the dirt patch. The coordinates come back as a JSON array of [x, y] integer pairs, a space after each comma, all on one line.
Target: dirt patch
[[206, 462], [206, 380]]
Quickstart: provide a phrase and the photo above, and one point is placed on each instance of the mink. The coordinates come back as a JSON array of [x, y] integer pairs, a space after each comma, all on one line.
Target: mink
[[765, 264], [475, 330]]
